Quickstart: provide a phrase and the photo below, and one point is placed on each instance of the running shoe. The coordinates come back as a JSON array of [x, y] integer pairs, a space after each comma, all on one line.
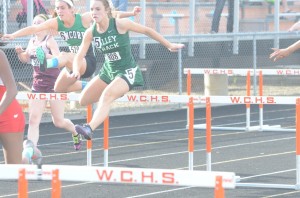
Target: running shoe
[[77, 139], [31, 154], [84, 130], [41, 56], [37, 156]]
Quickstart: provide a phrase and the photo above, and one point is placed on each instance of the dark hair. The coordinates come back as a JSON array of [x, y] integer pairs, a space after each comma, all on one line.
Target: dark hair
[[2, 43]]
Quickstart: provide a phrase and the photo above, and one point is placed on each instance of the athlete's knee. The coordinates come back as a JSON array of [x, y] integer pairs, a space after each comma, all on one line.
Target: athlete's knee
[[59, 122], [34, 121], [108, 97], [59, 89]]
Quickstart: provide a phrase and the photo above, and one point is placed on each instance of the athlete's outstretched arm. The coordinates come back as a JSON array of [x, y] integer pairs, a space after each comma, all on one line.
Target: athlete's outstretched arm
[[282, 53], [128, 25], [83, 48], [119, 14], [50, 24]]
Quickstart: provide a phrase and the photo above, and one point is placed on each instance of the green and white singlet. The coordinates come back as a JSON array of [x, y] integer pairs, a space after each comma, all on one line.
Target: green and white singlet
[[119, 61], [73, 36]]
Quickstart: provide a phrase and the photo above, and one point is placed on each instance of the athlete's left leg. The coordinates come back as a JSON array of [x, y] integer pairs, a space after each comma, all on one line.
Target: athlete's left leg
[[57, 112]]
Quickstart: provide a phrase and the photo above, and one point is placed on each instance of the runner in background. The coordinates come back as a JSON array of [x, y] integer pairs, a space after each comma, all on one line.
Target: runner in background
[[43, 82], [12, 120], [119, 73], [71, 27]]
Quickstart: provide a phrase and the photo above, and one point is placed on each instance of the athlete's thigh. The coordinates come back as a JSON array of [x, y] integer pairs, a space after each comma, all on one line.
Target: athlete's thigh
[[117, 88], [63, 82], [13, 146], [36, 108], [92, 92], [66, 59], [57, 109]]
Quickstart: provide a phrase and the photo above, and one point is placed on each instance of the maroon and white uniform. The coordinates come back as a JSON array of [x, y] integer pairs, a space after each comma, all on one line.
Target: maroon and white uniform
[[43, 82]]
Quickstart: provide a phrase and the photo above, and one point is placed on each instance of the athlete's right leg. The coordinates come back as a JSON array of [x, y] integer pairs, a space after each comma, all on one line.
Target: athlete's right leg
[[65, 84], [36, 109], [65, 59], [12, 147]]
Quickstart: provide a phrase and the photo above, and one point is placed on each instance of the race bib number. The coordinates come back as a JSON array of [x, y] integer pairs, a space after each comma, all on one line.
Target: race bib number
[[35, 62], [112, 56], [130, 74], [74, 49]]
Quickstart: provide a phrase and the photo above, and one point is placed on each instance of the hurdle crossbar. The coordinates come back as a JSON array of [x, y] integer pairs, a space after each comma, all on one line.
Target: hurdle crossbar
[[120, 175], [247, 72]]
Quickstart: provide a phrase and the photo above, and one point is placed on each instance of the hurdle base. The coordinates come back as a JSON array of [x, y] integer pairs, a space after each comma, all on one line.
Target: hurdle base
[[251, 128]]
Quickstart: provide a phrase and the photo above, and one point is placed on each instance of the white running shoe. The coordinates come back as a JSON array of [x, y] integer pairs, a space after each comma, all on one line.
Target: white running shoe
[[31, 154]]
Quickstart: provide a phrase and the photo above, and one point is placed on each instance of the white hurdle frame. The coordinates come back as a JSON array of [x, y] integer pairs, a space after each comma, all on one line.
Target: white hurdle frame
[[247, 72], [168, 177]]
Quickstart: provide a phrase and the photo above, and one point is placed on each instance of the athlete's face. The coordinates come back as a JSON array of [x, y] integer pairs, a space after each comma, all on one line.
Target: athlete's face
[[63, 10], [98, 10], [38, 20]]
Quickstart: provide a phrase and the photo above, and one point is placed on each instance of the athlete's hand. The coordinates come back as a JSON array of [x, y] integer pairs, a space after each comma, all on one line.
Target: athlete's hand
[[175, 47], [19, 49], [75, 74], [279, 54], [136, 10], [6, 37]]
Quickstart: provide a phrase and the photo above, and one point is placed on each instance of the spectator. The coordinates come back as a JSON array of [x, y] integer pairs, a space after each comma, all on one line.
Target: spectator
[[217, 15], [120, 5]]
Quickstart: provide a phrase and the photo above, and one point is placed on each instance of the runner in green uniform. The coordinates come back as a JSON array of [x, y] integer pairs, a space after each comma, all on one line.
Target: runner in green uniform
[[71, 28], [119, 73]]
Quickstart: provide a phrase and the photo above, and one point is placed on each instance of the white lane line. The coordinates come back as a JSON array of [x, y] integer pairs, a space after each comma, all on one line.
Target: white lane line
[[282, 194], [159, 192]]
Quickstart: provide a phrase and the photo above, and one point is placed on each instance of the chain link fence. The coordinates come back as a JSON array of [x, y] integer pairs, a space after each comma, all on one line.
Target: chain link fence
[[188, 22]]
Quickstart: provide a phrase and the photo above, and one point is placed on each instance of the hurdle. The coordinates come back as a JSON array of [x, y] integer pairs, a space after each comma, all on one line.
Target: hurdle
[[59, 173], [256, 100], [247, 73]]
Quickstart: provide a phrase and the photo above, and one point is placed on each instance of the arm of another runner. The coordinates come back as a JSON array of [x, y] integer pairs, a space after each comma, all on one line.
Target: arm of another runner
[[282, 53], [47, 25], [119, 14], [6, 76], [79, 57], [128, 25]]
